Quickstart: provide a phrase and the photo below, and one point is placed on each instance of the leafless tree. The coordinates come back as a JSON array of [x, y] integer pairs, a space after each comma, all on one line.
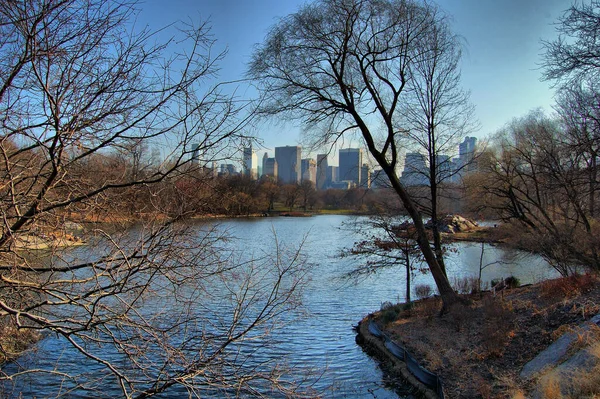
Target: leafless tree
[[575, 55], [437, 112], [342, 66], [543, 185], [579, 108], [385, 245], [153, 307]]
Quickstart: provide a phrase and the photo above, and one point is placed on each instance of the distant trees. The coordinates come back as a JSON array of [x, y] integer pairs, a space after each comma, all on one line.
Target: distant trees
[[85, 97], [345, 67], [537, 178]]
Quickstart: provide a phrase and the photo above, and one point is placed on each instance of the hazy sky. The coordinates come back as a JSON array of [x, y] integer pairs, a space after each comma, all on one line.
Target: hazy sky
[[500, 65]]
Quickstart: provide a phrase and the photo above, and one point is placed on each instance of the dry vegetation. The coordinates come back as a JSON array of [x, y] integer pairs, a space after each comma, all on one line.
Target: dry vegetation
[[479, 350]]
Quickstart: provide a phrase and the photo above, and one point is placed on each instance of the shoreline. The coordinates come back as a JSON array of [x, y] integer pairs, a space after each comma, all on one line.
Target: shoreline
[[395, 366], [480, 351]]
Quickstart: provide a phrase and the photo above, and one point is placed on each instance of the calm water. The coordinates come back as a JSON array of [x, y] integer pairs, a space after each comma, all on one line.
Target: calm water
[[322, 342]]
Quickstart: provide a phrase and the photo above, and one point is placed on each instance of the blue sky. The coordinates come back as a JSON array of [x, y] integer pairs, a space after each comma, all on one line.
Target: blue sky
[[500, 64]]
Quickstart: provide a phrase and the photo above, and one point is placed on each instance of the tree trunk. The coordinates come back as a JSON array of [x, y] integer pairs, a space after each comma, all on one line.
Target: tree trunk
[[448, 295]]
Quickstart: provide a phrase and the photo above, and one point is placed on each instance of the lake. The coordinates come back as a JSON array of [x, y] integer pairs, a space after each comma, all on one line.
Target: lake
[[319, 343]]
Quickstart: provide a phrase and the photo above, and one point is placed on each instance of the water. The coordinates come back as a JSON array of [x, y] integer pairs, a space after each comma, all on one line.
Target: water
[[320, 343]]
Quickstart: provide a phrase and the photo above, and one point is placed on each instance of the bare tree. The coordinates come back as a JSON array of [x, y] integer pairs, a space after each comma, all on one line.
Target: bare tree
[[342, 66], [543, 185], [156, 306], [575, 55], [385, 245], [437, 112], [579, 107]]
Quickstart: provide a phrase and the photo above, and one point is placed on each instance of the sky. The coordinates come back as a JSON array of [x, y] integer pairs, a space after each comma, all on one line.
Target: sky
[[501, 61]]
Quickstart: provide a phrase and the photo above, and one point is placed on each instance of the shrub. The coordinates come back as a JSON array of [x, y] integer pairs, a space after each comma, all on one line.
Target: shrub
[[423, 291], [390, 312], [567, 287], [512, 282], [466, 285]]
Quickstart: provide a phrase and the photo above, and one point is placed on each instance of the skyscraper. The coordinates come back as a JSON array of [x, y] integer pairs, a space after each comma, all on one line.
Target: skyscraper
[[321, 171], [288, 163], [332, 175], [309, 170], [466, 150], [269, 167], [196, 154], [350, 161], [415, 171], [250, 163], [365, 176]]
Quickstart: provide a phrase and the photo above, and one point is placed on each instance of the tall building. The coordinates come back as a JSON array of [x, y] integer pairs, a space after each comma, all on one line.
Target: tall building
[[365, 176], [288, 163], [379, 179], [350, 161], [415, 171], [250, 164], [269, 167], [196, 154], [309, 170], [466, 150], [228, 169], [445, 168], [332, 175], [321, 171]]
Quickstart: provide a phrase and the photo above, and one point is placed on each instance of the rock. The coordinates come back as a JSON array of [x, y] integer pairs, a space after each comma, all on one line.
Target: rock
[[553, 355], [455, 224]]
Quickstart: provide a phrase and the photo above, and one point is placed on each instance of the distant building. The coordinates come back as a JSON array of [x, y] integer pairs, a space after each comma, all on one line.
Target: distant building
[[379, 179], [196, 154], [288, 163], [350, 161], [415, 171], [228, 169], [445, 168], [269, 167], [332, 175], [342, 185], [466, 151], [321, 171], [309, 170], [365, 176], [250, 164]]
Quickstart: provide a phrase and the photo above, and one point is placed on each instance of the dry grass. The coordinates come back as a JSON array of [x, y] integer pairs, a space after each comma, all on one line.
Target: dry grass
[[568, 287], [582, 383], [494, 337]]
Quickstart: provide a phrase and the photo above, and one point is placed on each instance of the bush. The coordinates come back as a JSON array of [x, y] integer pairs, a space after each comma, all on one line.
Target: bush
[[567, 287], [423, 291], [466, 285], [390, 312], [509, 282]]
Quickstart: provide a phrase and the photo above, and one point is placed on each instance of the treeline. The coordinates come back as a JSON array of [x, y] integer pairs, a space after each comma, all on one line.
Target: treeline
[[540, 174], [195, 191]]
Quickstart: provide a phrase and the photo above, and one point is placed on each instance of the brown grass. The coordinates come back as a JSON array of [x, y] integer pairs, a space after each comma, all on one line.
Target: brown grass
[[583, 383], [494, 337], [568, 287]]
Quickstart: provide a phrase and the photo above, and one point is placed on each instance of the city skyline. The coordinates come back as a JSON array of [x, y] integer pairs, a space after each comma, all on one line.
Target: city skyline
[[500, 66], [289, 166]]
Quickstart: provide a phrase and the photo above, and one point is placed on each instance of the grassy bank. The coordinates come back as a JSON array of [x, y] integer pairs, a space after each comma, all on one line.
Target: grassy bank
[[479, 350]]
